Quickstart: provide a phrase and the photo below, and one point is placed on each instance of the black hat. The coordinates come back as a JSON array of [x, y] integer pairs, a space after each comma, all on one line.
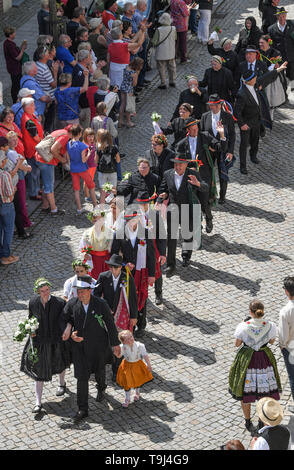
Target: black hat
[[84, 282], [143, 197], [251, 48], [115, 260], [214, 99], [191, 121], [280, 11], [248, 75], [109, 3]]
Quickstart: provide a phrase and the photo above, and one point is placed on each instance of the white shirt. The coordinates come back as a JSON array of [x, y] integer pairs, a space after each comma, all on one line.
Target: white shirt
[[193, 146], [115, 282], [253, 92], [178, 180], [286, 326], [282, 28], [134, 354], [214, 120], [261, 443], [133, 236], [86, 307]]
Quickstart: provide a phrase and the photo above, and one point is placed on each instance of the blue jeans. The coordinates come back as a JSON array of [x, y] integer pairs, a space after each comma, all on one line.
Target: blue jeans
[[193, 26], [290, 368], [7, 218], [48, 176], [33, 178]]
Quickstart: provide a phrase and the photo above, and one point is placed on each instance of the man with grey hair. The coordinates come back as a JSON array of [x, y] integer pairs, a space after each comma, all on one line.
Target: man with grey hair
[[84, 63], [64, 55], [129, 11], [28, 80]]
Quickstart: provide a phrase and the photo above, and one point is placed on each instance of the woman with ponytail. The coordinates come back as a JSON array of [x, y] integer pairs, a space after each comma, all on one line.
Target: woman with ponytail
[[254, 372]]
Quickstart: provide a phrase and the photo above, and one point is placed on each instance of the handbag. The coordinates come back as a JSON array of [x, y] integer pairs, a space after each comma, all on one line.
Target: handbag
[[131, 104], [44, 147]]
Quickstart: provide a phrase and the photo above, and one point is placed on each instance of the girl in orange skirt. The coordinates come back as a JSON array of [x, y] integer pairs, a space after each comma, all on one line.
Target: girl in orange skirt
[[132, 372]]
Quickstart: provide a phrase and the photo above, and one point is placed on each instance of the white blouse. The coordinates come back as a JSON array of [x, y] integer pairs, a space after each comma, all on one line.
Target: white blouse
[[134, 354], [256, 332]]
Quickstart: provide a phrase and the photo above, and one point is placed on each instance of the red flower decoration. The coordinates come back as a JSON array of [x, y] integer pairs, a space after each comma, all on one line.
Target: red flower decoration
[[142, 242]]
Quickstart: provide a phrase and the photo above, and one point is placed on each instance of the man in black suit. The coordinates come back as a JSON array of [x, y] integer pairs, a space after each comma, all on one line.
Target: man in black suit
[[138, 252], [194, 95], [91, 328], [109, 286], [250, 110], [269, 14], [181, 185], [282, 34], [218, 127], [252, 63]]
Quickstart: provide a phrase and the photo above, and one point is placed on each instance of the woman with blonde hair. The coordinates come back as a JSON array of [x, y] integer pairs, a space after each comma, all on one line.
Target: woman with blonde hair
[[254, 372]]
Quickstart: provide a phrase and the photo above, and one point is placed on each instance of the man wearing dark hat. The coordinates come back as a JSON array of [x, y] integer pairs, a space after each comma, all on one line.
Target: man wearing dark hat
[[152, 220], [270, 9], [282, 34], [119, 291], [251, 110], [138, 251], [219, 79], [252, 63], [218, 128], [91, 327], [180, 186]]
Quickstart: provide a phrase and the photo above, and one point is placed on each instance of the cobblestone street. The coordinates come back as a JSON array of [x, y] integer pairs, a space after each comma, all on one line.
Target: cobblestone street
[[190, 337]]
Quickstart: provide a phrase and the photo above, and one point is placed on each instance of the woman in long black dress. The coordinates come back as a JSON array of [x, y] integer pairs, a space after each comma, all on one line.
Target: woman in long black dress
[[248, 35], [177, 125], [52, 352]]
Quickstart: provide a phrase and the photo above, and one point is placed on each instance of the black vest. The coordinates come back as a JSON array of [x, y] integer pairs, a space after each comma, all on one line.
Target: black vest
[[277, 437]]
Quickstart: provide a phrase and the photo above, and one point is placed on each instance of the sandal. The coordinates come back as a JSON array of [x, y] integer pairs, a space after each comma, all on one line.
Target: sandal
[[137, 397], [126, 403]]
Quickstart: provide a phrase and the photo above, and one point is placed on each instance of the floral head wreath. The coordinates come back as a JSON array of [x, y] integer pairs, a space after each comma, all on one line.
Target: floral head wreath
[[160, 139], [41, 282], [80, 262]]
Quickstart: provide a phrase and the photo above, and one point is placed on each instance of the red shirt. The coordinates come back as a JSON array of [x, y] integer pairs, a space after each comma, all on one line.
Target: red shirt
[[119, 52], [106, 16], [62, 138], [90, 97], [28, 140], [4, 131]]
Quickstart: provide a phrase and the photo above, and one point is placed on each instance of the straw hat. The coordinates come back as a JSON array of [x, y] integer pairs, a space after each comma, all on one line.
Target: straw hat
[[269, 411]]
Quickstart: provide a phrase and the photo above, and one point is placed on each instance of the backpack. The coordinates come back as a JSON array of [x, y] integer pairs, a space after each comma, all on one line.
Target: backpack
[[106, 162]]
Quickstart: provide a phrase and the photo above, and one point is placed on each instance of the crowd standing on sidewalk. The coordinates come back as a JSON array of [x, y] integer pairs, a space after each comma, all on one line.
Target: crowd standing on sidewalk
[[68, 104]]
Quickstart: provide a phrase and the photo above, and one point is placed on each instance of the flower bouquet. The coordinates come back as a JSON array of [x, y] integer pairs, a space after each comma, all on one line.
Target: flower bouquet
[[126, 175], [25, 328], [87, 250], [155, 117], [215, 34], [107, 187]]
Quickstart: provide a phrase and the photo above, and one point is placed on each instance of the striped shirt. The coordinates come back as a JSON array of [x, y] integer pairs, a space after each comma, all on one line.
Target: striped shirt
[[6, 187], [44, 77]]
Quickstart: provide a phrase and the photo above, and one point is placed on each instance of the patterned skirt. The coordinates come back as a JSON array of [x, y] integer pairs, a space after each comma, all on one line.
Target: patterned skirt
[[254, 375], [133, 374]]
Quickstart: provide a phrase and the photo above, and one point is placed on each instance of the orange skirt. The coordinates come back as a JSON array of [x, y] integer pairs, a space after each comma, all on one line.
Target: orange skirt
[[133, 374]]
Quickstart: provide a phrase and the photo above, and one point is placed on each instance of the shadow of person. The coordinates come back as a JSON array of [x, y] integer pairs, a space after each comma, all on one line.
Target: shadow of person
[[218, 244], [237, 208], [171, 349], [182, 393], [205, 272], [172, 314]]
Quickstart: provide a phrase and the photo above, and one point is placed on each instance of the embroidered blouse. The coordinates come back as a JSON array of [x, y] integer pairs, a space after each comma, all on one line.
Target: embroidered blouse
[[256, 332]]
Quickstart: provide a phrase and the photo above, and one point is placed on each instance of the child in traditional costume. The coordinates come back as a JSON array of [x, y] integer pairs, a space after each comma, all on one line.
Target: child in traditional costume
[[254, 372], [133, 372], [51, 352]]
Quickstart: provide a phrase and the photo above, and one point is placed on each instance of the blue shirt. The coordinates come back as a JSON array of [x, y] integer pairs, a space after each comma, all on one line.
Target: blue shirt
[[66, 57], [29, 82], [74, 149], [18, 112], [133, 22], [67, 99]]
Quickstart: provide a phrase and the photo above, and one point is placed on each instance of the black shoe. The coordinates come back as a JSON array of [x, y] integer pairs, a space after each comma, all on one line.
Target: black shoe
[[162, 87], [243, 171], [80, 415], [209, 226], [57, 213], [45, 210], [254, 160], [113, 378], [170, 271], [185, 262], [221, 201], [100, 395], [139, 333], [173, 85], [138, 100], [147, 81], [61, 390], [158, 300], [37, 409], [26, 235], [139, 88], [250, 427]]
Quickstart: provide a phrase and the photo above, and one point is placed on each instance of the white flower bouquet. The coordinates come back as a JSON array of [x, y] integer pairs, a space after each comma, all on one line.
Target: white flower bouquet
[[155, 117], [24, 329]]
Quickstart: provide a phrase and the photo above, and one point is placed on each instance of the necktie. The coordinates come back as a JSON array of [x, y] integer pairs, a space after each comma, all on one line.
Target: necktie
[[251, 67]]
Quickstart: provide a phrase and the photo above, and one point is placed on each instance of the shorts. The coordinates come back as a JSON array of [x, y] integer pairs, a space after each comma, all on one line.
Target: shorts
[[107, 178], [48, 176], [86, 177]]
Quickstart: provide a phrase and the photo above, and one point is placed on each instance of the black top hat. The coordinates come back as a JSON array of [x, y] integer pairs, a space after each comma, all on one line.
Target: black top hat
[[191, 121], [248, 75], [115, 260], [280, 11], [214, 99], [143, 197]]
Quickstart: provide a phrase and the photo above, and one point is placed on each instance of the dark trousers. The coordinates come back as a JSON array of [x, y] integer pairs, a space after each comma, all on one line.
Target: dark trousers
[[172, 227], [143, 55], [249, 138], [158, 286], [116, 363], [142, 322], [18, 215], [223, 184], [182, 45], [49, 123], [15, 86], [290, 369], [83, 389]]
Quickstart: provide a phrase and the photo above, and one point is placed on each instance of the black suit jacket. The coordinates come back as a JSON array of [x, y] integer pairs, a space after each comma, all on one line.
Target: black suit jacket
[[180, 196], [220, 82], [260, 68], [229, 126], [198, 102], [137, 183], [104, 288], [284, 42]]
